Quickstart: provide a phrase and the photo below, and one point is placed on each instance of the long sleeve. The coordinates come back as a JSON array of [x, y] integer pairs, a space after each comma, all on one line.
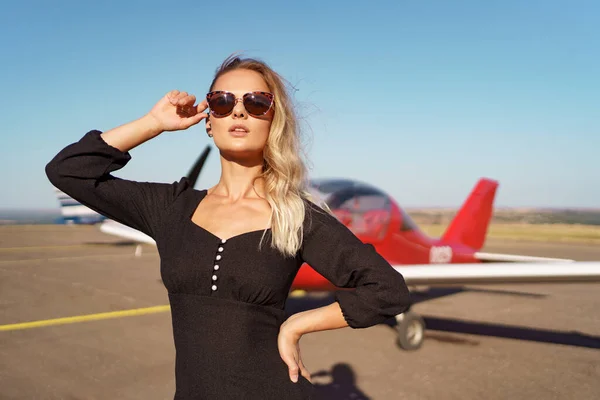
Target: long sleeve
[[83, 171], [332, 250]]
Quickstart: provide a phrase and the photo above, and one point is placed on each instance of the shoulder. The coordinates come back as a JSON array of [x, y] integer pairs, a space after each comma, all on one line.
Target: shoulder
[[314, 212], [319, 221], [169, 194]]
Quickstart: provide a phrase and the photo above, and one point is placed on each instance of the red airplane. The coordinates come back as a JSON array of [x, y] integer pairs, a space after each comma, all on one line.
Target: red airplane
[[375, 218]]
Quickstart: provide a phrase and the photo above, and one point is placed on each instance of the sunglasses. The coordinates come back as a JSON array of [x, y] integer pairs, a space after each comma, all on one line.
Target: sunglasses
[[222, 103]]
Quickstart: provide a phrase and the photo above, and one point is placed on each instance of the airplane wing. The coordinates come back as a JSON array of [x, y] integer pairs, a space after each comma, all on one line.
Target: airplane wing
[[497, 273], [115, 228], [496, 257]]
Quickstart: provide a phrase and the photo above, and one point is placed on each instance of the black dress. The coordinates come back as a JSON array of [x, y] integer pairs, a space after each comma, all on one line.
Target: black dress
[[227, 297]]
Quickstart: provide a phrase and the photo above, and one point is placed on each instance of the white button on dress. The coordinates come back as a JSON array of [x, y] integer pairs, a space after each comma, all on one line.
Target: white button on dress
[[216, 266]]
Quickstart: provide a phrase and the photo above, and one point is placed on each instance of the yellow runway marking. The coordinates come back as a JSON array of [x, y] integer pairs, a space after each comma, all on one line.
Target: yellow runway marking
[[27, 260], [84, 318], [65, 246], [297, 293]]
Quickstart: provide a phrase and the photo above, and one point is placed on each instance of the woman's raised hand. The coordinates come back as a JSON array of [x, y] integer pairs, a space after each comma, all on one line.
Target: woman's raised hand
[[176, 111]]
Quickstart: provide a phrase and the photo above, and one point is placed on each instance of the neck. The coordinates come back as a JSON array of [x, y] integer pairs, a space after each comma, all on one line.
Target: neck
[[239, 179]]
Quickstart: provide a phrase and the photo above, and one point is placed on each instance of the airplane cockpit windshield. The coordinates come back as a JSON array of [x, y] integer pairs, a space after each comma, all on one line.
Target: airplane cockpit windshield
[[363, 208]]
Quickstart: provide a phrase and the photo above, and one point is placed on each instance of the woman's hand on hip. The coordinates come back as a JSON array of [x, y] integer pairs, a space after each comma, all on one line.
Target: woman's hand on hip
[[289, 350], [176, 111]]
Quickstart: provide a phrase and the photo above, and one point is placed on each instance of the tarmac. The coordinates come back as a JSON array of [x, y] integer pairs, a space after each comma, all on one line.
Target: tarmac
[[83, 318]]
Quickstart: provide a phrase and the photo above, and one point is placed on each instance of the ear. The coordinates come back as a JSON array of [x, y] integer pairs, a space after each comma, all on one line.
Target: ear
[[208, 125]]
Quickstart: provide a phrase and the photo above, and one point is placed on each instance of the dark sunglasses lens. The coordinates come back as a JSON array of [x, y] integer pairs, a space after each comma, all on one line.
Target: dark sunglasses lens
[[222, 103], [257, 103]]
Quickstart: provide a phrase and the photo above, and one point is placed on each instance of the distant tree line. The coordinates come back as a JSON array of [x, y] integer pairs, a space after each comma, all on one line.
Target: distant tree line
[[516, 216]]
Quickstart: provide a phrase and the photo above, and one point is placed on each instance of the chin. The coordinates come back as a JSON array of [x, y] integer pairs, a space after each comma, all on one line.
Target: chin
[[242, 148]]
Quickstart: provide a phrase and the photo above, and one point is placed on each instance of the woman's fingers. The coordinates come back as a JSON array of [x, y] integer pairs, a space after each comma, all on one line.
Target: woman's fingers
[[304, 371], [289, 350], [288, 358], [173, 96], [293, 370], [178, 98], [193, 120], [185, 103], [177, 111], [296, 367], [188, 121], [202, 106], [187, 100]]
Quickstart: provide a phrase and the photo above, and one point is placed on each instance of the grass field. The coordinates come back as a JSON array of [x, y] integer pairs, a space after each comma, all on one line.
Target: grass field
[[532, 232]]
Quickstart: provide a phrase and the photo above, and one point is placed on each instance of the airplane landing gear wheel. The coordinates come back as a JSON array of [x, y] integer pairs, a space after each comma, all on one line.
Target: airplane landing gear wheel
[[411, 330]]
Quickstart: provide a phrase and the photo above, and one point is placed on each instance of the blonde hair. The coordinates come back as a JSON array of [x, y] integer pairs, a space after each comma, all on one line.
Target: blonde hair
[[284, 171]]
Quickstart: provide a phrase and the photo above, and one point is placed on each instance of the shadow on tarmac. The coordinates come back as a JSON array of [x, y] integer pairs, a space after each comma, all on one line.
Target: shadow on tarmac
[[568, 338], [120, 243], [342, 385]]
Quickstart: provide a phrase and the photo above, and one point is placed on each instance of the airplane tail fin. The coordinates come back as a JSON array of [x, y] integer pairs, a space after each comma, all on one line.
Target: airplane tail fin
[[73, 212], [469, 226], [197, 167]]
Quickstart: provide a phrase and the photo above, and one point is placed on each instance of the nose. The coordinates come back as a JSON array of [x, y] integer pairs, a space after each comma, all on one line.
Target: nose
[[238, 110]]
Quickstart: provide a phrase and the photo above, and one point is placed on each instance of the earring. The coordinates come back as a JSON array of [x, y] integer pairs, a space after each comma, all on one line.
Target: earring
[[210, 135]]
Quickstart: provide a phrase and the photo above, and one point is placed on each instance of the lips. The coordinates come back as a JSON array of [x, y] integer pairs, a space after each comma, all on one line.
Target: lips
[[238, 128]]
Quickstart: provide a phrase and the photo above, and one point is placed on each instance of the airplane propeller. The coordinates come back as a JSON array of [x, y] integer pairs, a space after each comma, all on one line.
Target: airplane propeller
[[197, 167]]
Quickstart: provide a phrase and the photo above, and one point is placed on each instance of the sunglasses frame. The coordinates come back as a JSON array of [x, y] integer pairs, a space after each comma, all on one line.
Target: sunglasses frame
[[270, 96]]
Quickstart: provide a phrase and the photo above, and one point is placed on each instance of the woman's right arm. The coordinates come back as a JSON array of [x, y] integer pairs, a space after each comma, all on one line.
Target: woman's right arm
[[83, 169], [174, 112]]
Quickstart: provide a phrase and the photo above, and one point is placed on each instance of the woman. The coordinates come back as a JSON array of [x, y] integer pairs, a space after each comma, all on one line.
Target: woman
[[229, 254]]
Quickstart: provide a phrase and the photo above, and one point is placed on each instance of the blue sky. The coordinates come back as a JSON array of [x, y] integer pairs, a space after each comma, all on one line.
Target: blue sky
[[420, 98]]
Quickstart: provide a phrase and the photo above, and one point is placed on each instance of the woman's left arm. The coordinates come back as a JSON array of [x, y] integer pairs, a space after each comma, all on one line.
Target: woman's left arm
[[379, 292], [318, 319]]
